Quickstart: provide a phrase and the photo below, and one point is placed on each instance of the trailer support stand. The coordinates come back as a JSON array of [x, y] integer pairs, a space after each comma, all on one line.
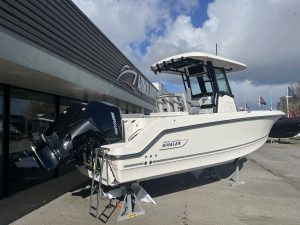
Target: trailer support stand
[[129, 201], [234, 178]]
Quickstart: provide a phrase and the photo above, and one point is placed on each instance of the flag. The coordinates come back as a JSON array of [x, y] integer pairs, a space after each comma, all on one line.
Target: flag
[[262, 101], [290, 92]]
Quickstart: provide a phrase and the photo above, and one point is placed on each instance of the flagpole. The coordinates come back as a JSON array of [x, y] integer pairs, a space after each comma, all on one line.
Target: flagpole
[[287, 102], [259, 102]]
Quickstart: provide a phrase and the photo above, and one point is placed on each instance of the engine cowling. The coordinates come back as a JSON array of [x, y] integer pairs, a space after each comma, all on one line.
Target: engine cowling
[[78, 130]]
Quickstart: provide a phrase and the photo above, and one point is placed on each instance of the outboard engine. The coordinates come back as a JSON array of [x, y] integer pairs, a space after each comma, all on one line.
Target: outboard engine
[[76, 133]]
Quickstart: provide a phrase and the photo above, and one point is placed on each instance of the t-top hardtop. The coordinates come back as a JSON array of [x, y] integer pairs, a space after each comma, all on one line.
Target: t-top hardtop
[[178, 63]]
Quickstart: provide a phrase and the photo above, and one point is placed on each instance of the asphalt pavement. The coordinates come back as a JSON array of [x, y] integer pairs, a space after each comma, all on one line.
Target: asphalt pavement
[[271, 195]]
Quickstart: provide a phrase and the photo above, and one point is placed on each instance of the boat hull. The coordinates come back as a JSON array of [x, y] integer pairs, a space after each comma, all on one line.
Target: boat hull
[[185, 146]]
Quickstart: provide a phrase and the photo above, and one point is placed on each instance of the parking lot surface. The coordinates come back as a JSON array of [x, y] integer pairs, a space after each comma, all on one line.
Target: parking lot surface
[[271, 195]]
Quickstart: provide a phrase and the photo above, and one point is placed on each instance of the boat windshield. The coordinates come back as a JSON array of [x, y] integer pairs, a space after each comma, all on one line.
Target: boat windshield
[[222, 81], [201, 84]]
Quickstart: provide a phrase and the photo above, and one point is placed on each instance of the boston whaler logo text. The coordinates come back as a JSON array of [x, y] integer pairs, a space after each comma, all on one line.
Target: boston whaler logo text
[[114, 123], [136, 82], [173, 144]]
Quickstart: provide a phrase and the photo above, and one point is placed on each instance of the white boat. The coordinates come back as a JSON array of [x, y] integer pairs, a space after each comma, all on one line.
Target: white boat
[[199, 128], [196, 129]]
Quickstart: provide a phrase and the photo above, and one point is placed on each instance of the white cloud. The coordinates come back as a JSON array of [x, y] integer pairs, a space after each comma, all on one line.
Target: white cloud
[[264, 34], [131, 21]]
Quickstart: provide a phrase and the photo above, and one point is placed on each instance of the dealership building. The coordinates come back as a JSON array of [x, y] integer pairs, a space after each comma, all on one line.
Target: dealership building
[[52, 55]]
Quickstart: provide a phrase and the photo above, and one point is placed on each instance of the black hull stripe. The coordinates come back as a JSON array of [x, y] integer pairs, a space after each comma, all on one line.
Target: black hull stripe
[[178, 129]]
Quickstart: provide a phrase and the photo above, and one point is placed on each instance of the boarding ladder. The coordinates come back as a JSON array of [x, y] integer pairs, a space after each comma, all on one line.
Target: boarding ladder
[[98, 159], [130, 198]]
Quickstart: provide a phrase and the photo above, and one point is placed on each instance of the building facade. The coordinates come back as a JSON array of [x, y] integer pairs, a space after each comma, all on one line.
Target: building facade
[[52, 55], [161, 89]]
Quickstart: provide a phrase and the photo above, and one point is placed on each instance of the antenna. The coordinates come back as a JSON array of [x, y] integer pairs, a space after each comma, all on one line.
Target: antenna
[[271, 100], [216, 48]]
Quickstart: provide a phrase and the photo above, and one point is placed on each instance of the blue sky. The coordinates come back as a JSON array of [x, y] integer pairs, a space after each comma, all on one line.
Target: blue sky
[[199, 14], [263, 34]]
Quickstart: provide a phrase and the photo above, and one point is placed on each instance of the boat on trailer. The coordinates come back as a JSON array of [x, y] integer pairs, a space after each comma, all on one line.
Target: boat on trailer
[[199, 128]]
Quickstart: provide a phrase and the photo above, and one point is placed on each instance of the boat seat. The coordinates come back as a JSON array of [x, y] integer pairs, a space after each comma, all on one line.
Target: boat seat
[[182, 106], [206, 104], [193, 106], [161, 106], [170, 103], [165, 103]]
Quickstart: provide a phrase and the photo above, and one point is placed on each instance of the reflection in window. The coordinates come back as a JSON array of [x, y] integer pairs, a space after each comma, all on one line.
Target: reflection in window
[[64, 103], [30, 113], [195, 86], [222, 83], [1, 138], [207, 84]]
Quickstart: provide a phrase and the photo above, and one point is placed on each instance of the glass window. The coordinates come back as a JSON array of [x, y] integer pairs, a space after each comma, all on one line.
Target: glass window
[[221, 80], [1, 138], [208, 87], [195, 88], [30, 113], [66, 102], [123, 111], [207, 84]]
